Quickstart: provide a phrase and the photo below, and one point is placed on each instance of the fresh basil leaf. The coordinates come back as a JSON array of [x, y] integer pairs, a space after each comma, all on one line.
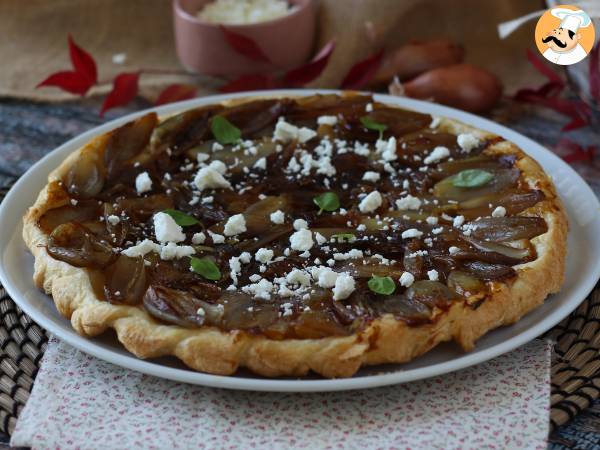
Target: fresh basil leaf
[[382, 285], [205, 267], [328, 201], [472, 178], [370, 124], [180, 218], [340, 237], [224, 131]]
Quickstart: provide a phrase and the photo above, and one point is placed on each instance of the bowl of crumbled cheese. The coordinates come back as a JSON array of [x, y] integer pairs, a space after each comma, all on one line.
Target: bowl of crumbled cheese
[[280, 35]]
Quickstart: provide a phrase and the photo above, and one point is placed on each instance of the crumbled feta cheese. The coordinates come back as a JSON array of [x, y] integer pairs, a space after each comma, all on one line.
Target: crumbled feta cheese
[[301, 240], [437, 230], [300, 224], [458, 221], [297, 276], [264, 255], [262, 289], [235, 225], [202, 157], [435, 122], [431, 220], [210, 178], [436, 155], [411, 233], [142, 249], [453, 250], [325, 277], [408, 202], [371, 202], [166, 229], [433, 275], [74, 202], [286, 132], [113, 220], [467, 141], [261, 164], [387, 149], [500, 211], [407, 279], [277, 217], [327, 120], [344, 286], [174, 251], [216, 238], [143, 183], [371, 176], [369, 107], [361, 227], [198, 238], [216, 147]]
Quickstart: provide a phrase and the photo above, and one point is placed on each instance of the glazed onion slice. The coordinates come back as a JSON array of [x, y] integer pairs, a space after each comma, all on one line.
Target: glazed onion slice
[[504, 229], [502, 179], [125, 280], [513, 255], [464, 283], [75, 244], [488, 271], [85, 178]]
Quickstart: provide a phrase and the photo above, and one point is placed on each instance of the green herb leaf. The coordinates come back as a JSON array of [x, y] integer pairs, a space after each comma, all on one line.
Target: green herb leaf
[[328, 201], [181, 219], [340, 237], [370, 124], [472, 178], [224, 131], [382, 285], [205, 267]]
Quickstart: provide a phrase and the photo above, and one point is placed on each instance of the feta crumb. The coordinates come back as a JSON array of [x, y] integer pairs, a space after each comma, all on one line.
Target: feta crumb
[[453, 250], [325, 277], [74, 202], [435, 122], [166, 229], [264, 255], [198, 238], [408, 202], [113, 220], [371, 202], [301, 240], [261, 164], [300, 224], [235, 225], [458, 221], [277, 217], [286, 132], [411, 233], [216, 238], [142, 248], [262, 289], [216, 147], [210, 178], [467, 141], [174, 251], [344, 286], [407, 279], [500, 211], [143, 183], [202, 157], [371, 176], [387, 149], [327, 120], [431, 220], [320, 238], [297, 276], [369, 107], [436, 155], [433, 275]]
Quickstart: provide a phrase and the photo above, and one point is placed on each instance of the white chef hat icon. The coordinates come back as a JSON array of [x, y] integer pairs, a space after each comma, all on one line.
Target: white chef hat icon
[[570, 19]]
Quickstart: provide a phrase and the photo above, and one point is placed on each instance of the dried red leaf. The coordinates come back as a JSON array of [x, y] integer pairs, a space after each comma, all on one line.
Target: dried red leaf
[[250, 83], [576, 151], [595, 72], [308, 72], [79, 80], [244, 45], [176, 93], [69, 81], [125, 88], [362, 72], [82, 61], [543, 68]]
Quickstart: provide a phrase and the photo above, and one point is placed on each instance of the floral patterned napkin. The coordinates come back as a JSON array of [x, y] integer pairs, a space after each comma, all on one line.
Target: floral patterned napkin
[[80, 402]]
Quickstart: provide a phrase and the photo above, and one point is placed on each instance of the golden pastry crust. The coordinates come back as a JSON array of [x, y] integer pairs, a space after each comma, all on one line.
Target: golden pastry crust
[[385, 340]]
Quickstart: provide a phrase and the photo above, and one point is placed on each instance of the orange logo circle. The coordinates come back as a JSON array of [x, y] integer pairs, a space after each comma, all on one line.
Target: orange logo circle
[[564, 35]]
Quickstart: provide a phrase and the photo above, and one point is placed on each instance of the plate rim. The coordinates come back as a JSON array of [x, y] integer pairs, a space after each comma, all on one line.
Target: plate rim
[[300, 385]]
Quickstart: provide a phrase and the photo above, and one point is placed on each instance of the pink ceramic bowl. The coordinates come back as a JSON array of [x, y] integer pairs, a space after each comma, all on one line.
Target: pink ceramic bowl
[[202, 47]]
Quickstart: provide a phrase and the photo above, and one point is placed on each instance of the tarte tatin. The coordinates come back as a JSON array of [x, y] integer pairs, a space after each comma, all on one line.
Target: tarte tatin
[[289, 235]]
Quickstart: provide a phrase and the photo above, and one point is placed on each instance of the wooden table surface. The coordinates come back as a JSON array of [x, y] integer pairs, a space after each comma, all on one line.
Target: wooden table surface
[[29, 130]]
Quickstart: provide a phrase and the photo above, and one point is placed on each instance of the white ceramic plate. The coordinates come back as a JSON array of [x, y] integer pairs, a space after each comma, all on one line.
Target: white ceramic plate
[[583, 270]]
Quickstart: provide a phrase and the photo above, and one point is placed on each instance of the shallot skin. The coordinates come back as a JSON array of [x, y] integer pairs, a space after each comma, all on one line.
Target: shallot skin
[[417, 57], [462, 86]]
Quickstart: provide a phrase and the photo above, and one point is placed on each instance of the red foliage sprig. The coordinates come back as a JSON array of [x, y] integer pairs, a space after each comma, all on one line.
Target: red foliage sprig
[[125, 88], [548, 95], [362, 72]]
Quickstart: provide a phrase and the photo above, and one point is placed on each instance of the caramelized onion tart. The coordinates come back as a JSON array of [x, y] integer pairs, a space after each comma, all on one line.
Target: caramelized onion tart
[[289, 235]]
